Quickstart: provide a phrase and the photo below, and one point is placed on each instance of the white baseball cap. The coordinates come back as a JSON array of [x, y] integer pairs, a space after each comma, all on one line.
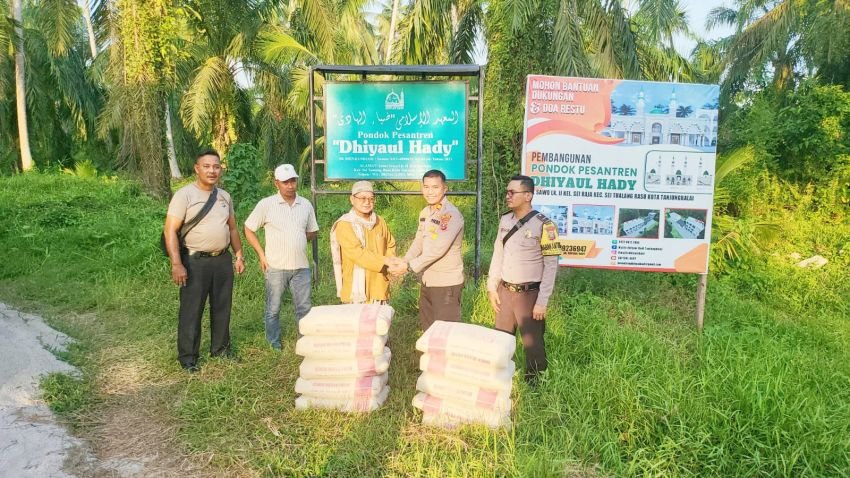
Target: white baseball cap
[[285, 172]]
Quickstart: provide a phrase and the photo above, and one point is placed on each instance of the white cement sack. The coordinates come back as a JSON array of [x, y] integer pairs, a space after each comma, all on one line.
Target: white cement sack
[[464, 392], [341, 387], [467, 371], [451, 422], [439, 412], [363, 403], [337, 346], [476, 343], [347, 319], [353, 367]]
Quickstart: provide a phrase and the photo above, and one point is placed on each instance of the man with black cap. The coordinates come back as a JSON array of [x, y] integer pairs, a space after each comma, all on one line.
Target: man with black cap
[[362, 247], [290, 224]]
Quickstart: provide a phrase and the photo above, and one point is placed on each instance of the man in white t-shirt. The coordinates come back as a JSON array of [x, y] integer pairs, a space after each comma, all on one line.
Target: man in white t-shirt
[[290, 224]]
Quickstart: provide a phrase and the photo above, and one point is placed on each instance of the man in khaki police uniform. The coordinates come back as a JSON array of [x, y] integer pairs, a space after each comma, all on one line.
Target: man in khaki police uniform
[[522, 273], [435, 254], [203, 267]]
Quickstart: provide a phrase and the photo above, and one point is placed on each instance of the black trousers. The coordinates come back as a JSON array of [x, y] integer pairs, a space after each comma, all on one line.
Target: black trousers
[[208, 277], [516, 311], [439, 303]]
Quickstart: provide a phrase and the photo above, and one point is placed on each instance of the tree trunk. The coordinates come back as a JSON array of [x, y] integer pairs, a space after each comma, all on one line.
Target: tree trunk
[[172, 155], [20, 87], [89, 28], [391, 36]]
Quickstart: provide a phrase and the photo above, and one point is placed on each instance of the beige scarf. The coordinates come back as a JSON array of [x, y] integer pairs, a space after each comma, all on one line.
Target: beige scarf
[[358, 282]]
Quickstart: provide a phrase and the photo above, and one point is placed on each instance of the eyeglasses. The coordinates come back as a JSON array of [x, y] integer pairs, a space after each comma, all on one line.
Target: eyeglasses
[[511, 192], [365, 198]]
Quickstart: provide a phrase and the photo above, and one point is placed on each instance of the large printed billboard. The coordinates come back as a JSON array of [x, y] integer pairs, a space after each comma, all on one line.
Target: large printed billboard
[[625, 169]]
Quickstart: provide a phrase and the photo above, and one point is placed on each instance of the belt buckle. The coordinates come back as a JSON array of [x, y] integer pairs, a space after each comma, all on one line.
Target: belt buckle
[[214, 253]]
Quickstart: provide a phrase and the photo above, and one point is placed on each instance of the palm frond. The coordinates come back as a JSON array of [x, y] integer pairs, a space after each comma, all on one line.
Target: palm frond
[[515, 13], [568, 45], [721, 16], [199, 102], [58, 22], [768, 35], [319, 20], [277, 47], [731, 161], [462, 46]]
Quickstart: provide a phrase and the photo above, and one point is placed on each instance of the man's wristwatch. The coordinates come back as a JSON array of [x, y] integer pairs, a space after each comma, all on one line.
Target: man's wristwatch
[[240, 258]]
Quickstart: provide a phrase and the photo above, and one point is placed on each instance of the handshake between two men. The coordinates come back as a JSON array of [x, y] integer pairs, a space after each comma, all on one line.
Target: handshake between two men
[[396, 266]]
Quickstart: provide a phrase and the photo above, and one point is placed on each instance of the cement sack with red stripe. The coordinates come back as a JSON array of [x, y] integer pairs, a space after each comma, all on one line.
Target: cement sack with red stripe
[[362, 403], [351, 367], [475, 343], [464, 392], [341, 387], [340, 346], [468, 371], [347, 319], [447, 414]]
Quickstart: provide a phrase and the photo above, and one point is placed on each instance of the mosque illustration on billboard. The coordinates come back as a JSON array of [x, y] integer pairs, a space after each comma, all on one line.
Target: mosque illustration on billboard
[[638, 123], [677, 169]]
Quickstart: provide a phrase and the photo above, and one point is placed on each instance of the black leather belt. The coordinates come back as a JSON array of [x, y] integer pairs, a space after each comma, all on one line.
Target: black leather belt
[[198, 254], [526, 287]]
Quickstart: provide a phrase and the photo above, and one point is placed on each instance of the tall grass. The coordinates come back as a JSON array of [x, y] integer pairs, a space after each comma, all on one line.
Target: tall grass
[[632, 389]]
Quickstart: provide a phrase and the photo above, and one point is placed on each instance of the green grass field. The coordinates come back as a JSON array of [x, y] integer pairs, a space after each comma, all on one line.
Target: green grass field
[[632, 390]]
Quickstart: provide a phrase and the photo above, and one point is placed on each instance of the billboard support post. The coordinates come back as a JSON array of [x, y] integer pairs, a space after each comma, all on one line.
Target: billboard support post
[[702, 285]]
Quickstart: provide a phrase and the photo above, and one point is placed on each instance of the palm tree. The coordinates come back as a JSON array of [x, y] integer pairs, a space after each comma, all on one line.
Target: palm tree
[[684, 111], [307, 32], [142, 46], [20, 86], [438, 31], [781, 38], [60, 97]]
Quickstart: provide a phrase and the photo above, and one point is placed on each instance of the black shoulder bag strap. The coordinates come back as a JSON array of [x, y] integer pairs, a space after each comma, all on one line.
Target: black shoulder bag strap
[[201, 214], [518, 225], [187, 226]]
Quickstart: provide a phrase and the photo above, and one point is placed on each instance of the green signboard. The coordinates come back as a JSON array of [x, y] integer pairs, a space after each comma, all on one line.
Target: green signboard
[[395, 130]]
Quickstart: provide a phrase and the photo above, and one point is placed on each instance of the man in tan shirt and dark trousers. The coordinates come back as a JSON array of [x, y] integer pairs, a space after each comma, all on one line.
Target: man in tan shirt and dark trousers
[[522, 273], [436, 254], [200, 262]]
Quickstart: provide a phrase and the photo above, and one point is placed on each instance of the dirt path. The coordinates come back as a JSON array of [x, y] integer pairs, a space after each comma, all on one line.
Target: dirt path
[[32, 442]]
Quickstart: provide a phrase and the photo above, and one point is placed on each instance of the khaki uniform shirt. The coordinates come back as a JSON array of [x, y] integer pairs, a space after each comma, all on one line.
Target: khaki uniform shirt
[[212, 233], [521, 259], [436, 252], [379, 244], [286, 229]]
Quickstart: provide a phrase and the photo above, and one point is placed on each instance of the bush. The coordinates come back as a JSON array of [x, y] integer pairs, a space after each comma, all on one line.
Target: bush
[[244, 173]]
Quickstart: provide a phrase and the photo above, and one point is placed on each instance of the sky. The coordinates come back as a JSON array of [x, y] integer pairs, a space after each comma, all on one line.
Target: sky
[[697, 11]]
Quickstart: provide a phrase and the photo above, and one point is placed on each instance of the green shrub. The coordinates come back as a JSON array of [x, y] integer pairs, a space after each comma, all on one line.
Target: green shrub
[[244, 173]]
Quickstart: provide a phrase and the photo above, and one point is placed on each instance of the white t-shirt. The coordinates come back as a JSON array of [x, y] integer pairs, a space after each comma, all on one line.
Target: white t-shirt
[[286, 230]]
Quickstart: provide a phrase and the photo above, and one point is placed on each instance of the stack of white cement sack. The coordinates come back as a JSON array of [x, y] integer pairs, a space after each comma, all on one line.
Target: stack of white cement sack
[[467, 375], [345, 357]]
